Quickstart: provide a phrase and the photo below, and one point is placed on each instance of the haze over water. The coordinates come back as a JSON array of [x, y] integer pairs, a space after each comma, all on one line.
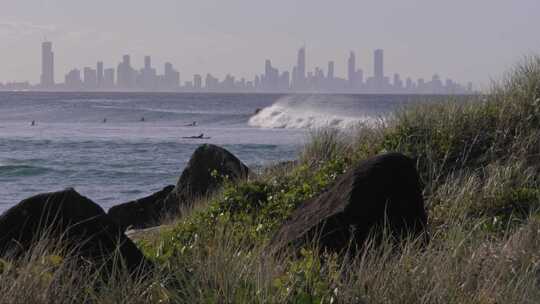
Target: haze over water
[[125, 158]]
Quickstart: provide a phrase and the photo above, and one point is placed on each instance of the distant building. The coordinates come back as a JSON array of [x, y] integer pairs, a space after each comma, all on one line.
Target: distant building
[[351, 70], [99, 68], [330, 73], [359, 79], [211, 83], [302, 63], [73, 80], [188, 85], [299, 71], [148, 77], [108, 79], [397, 83], [284, 81], [197, 81], [171, 78], [271, 77], [47, 65], [378, 66], [17, 86], [469, 87], [126, 75], [90, 79], [409, 85], [421, 86]]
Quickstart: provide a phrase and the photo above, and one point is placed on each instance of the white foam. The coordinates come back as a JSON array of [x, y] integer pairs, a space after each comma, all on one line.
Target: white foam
[[309, 112]]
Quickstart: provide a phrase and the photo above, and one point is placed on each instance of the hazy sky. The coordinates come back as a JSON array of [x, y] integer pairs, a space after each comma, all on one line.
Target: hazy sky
[[468, 40]]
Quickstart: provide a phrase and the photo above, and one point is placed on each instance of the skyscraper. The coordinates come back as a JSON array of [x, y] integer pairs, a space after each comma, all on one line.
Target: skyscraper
[[378, 69], [351, 70], [330, 74], [47, 65], [90, 78], [171, 77], [284, 81], [147, 62], [299, 71], [359, 78], [99, 68], [271, 76], [302, 62], [398, 83], [125, 73], [148, 76], [197, 81], [73, 80], [108, 78]]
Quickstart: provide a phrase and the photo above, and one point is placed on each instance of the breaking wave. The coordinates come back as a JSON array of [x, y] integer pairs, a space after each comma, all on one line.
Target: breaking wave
[[314, 111]]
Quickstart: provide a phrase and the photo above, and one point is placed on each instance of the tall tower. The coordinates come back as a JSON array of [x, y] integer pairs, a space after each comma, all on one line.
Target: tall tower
[[330, 74], [47, 65], [378, 71], [299, 70], [125, 74], [302, 62], [351, 70], [147, 62], [99, 68]]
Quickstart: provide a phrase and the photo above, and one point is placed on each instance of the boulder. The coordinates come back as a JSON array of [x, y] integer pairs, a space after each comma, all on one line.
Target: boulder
[[141, 213], [81, 224], [208, 167], [381, 191]]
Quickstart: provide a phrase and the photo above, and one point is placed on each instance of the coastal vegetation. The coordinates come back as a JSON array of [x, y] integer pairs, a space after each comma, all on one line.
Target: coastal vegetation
[[477, 158]]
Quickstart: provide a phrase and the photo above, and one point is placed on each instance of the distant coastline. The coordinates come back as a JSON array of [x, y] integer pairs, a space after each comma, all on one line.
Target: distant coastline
[[473, 93]]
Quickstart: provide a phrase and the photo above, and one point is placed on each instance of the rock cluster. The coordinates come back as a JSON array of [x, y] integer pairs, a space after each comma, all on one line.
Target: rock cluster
[[207, 169], [97, 237], [384, 191], [80, 224]]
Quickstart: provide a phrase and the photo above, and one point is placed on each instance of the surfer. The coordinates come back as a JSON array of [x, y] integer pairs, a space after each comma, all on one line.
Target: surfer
[[193, 124], [200, 136], [33, 123], [105, 120], [142, 118], [257, 110]]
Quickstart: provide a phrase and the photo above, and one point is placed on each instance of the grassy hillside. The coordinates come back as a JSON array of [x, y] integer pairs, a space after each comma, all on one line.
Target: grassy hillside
[[478, 160]]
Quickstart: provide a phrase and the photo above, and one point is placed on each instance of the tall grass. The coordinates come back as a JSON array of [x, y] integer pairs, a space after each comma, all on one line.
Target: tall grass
[[478, 161], [49, 272]]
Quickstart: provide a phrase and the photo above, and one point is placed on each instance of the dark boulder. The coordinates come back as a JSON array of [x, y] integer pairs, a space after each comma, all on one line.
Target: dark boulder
[[141, 213], [208, 167], [78, 222], [384, 190]]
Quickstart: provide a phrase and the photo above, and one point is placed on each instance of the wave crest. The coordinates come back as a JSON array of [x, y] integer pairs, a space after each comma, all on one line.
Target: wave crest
[[299, 112]]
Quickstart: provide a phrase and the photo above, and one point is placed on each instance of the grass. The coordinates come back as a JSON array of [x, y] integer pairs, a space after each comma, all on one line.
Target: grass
[[477, 158]]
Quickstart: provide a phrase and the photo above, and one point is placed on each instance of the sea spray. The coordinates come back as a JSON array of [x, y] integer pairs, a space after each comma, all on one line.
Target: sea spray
[[311, 112]]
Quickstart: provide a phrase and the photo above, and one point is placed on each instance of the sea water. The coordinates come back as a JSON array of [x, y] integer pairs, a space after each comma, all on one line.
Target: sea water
[[116, 147]]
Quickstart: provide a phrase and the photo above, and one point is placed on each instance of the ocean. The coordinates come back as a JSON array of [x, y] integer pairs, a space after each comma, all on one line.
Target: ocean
[[116, 147]]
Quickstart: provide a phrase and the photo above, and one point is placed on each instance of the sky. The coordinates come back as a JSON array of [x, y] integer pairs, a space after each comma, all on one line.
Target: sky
[[466, 40]]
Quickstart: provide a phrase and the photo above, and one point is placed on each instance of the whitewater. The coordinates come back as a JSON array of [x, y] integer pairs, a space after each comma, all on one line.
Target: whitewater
[[116, 147]]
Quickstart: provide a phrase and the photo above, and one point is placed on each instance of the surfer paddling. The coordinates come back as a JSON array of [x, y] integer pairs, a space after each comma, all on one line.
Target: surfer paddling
[[200, 136]]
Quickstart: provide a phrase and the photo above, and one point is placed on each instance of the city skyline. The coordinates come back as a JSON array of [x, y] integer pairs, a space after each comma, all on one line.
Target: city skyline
[[422, 36], [126, 77]]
